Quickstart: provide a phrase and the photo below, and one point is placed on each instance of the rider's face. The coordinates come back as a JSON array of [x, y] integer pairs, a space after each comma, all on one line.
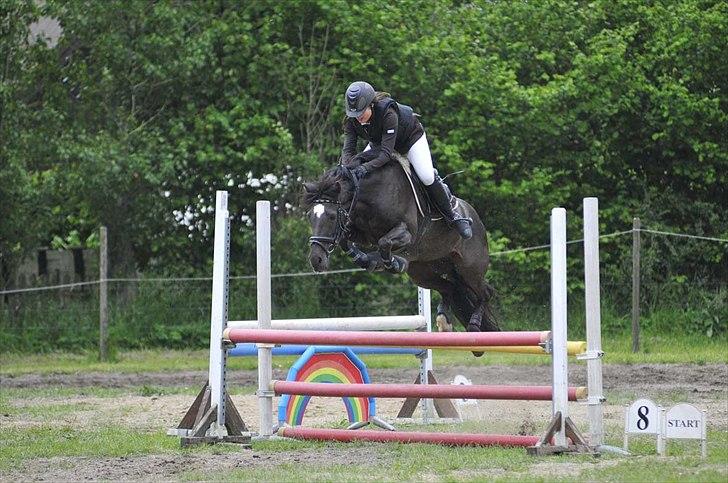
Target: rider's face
[[365, 116]]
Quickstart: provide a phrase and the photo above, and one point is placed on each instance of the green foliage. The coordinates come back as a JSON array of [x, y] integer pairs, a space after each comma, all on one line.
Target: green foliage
[[143, 110]]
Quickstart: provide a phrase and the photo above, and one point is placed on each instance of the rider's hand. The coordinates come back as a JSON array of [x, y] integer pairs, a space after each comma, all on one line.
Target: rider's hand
[[359, 172]]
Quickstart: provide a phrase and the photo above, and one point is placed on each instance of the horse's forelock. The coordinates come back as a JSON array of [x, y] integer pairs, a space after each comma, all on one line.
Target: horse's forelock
[[325, 188]]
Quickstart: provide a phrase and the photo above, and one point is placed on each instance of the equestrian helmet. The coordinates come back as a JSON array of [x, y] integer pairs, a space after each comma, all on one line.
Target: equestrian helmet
[[358, 97]]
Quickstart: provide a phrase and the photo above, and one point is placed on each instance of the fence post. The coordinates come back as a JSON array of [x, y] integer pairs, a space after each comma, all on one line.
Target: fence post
[[103, 295], [636, 285]]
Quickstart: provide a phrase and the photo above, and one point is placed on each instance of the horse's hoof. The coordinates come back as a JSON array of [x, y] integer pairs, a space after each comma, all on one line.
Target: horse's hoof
[[443, 325], [475, 328], [397, 265]]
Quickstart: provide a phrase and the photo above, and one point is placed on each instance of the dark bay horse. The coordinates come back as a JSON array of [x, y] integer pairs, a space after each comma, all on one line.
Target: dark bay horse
[[380, 212]]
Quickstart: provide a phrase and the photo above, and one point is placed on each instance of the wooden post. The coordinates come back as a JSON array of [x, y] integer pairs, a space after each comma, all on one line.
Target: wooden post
[[636, 285], [103, 295]]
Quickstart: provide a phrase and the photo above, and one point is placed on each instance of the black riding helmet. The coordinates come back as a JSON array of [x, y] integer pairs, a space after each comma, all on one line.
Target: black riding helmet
[[358, 97]]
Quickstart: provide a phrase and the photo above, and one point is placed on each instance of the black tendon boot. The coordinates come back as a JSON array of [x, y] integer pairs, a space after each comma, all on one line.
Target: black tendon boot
[[439, 196]]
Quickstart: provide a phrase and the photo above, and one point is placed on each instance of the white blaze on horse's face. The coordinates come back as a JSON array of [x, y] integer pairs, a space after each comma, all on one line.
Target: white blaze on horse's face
[[318, 210]]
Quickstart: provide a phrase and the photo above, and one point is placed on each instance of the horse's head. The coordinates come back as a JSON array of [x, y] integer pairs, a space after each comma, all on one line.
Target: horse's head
[[329, 219]]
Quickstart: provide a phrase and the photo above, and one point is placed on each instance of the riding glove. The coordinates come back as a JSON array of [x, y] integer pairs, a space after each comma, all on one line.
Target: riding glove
[[359, 172]]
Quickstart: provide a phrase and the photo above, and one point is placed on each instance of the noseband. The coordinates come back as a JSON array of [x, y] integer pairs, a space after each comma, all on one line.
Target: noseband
[[343, 221]]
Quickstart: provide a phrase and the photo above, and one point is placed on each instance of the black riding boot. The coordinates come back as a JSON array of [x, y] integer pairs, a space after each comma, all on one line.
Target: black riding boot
[[439, 196]]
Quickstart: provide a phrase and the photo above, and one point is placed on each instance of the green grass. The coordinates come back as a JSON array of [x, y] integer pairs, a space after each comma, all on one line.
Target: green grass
[[314, 461], [49, 440], [418, 462], [61, 392]]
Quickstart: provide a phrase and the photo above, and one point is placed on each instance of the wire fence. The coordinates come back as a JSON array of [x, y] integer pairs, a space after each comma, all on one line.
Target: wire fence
[[174, 311]]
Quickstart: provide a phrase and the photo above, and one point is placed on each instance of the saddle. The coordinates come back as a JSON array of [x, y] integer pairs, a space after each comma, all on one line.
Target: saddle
[[424, 205]]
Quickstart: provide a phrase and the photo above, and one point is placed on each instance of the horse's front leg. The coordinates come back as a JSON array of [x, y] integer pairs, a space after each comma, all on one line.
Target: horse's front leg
[[396, 238], [356, 255]]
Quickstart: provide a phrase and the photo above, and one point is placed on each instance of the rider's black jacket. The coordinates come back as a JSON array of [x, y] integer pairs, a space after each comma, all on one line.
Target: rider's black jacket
[[392, 127]]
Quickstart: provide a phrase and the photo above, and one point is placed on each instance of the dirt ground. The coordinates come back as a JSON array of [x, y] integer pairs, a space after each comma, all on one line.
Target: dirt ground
[[703, 385]]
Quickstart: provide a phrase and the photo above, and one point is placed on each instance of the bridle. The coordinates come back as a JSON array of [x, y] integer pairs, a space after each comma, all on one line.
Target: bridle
[[343, 219]]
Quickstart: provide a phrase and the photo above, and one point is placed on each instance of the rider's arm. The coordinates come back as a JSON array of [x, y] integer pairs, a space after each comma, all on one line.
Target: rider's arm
[[389, 137], [350, 139]]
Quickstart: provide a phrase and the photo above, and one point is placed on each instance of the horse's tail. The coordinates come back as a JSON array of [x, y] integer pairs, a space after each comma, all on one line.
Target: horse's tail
[[461, 305], [464, 302]]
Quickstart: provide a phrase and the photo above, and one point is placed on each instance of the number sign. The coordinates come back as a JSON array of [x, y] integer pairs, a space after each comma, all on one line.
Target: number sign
[[641, 417]]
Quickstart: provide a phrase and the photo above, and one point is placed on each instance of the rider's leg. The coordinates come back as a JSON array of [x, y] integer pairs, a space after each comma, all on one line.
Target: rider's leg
[[419, 156], [421, 160]]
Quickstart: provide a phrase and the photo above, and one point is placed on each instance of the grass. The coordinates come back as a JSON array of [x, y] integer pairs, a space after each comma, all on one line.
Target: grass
[[410, 462], [50, 440], [389, 462], [315, 461], [662, 349]]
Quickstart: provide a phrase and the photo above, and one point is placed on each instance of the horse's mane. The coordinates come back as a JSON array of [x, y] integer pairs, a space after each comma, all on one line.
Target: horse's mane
[[333, 185], [336, 184]]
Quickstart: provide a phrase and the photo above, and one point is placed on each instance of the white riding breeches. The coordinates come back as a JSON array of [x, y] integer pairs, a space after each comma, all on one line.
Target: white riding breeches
[[421, 159]]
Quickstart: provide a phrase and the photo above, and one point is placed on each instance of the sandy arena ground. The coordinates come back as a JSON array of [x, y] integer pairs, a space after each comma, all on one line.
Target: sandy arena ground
[[703, 385]]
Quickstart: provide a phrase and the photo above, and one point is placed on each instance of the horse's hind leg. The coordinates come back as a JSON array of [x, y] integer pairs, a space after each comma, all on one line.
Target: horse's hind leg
[[423, 275], [441, 319], [472, 274]]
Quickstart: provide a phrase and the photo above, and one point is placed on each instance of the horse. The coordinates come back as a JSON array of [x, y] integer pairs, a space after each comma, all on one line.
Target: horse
[[381, 211]]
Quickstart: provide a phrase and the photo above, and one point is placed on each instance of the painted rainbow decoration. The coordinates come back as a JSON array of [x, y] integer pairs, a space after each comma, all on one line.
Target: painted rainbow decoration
[[327, 364]]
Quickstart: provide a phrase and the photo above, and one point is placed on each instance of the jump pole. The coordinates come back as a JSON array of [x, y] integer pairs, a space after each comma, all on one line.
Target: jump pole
[[438, 391], [574, 348], [386, 322], [390, 339], [446, 439]]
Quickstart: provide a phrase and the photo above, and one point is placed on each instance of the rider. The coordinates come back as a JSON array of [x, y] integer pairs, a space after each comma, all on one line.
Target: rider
[[390, 126]]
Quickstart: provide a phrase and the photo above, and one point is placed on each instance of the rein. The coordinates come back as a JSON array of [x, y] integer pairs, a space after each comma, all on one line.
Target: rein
[[343, 219]]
